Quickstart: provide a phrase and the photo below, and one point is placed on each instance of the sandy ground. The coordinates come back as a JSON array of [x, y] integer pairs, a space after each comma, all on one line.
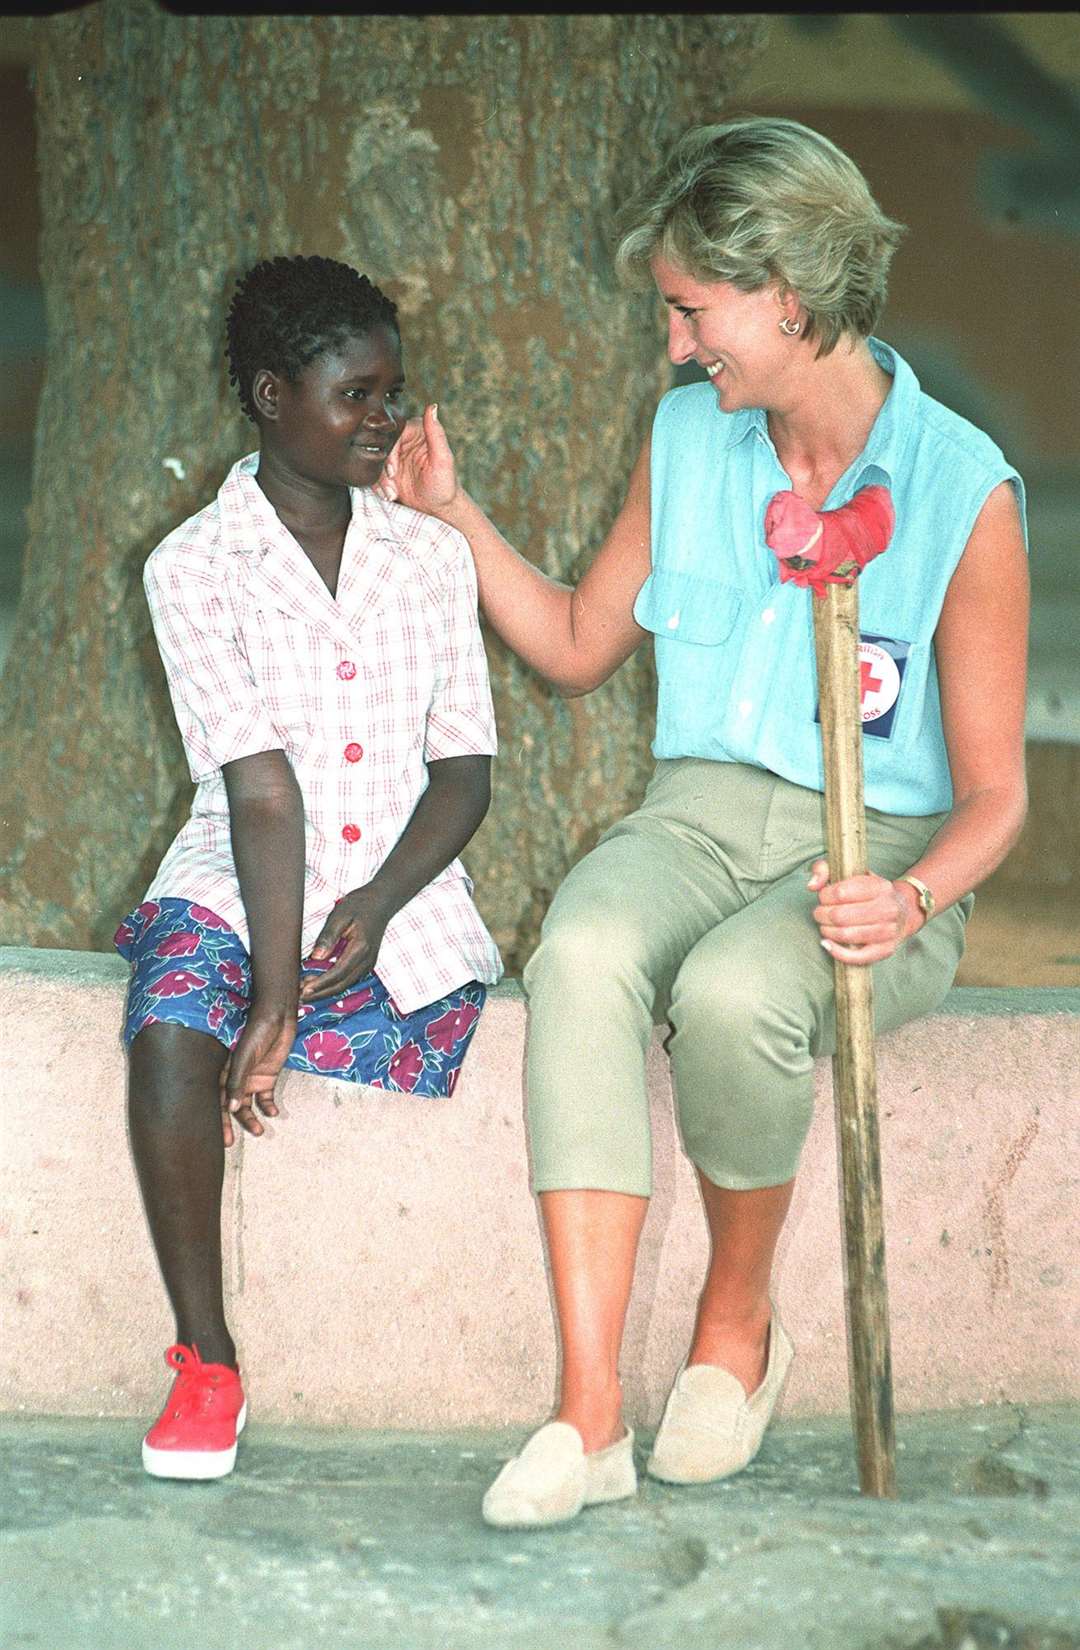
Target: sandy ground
[[373, 1541]]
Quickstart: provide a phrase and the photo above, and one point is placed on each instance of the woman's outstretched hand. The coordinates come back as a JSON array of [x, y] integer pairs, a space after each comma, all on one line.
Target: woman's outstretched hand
[[862, 919], [420, 470]]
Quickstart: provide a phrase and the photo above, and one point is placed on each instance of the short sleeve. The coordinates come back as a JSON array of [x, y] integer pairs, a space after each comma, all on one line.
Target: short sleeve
[[218, 709], [461, 718]]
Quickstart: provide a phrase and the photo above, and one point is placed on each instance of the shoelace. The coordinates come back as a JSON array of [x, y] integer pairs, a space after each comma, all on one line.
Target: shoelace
[[817, 548], [196, 1382]]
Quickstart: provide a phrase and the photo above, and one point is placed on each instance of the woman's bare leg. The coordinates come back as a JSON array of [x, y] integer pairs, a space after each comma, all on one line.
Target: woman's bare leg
[[732, 1323], [592, 1246], [174, 1113]]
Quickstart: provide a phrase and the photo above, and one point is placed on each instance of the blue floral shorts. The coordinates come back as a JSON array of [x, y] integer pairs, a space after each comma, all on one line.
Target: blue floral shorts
[[189, 968]]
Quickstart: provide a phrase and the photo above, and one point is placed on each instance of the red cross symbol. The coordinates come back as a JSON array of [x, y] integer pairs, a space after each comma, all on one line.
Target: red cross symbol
[[868, 682]]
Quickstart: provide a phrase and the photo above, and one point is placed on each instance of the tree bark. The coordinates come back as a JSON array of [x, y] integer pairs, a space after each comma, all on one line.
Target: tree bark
[[469, 165]]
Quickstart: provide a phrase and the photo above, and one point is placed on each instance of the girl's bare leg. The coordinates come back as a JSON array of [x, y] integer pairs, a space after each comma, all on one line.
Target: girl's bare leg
[[174, 1113], [732, 1323], [592, 1245]]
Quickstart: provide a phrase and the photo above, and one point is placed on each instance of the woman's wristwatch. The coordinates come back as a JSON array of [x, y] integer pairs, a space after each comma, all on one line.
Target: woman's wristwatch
[[926, 898]]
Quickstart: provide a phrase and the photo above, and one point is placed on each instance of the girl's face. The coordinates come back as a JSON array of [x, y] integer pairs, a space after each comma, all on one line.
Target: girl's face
[[734, 335], [337, 422]]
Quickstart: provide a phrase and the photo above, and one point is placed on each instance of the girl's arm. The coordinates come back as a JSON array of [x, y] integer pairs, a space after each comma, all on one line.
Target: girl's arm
[[981, 651], [445, 818], [266, 818], [574, 637]]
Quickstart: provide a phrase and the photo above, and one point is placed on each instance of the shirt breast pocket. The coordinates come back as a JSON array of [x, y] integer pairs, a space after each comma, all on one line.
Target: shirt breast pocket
[[683, 607]]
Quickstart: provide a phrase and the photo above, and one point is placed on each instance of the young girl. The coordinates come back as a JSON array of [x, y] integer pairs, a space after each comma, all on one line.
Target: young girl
[[328, 675]]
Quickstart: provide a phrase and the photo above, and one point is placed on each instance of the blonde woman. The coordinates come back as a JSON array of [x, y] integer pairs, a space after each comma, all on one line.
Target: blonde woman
[[710, 909]]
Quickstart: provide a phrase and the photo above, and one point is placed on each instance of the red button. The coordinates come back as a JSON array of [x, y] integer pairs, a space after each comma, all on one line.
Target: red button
[[351, 833], [346, 670], [353, 753]]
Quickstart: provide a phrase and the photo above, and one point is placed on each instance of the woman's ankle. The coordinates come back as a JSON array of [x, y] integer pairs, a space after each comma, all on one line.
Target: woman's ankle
[[737, 1342], [596, 1413], [214, 1346]]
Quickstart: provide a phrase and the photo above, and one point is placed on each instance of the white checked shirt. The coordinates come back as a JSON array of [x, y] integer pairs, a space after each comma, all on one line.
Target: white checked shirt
[[360, 690]]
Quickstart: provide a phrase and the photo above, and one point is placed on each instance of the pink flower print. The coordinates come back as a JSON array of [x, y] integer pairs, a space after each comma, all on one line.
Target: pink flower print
[[148, 910], [376, 1083], [209, 919], [328, 1050], [177, 945], [124, 934], [352, 1001], [232, 974], [304, 1010], [407, 1066], [176, 984], [216, 1015], [448, 1030], [451, 1081]]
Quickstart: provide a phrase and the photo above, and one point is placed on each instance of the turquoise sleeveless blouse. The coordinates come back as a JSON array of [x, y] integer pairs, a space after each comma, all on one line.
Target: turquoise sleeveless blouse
[[734, 647]]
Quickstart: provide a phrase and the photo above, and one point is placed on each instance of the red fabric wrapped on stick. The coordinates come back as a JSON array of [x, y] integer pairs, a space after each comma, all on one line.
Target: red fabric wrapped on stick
[[817, 548]]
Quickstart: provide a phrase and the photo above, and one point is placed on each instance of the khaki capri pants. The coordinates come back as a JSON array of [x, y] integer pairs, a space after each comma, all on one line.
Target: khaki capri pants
[[694, 912]]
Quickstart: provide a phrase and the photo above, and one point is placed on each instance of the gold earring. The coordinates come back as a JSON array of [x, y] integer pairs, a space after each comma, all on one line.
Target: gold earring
[[789, 328]]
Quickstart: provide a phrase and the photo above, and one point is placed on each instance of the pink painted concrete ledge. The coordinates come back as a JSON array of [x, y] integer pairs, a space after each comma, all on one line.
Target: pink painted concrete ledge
[[384, 1259]]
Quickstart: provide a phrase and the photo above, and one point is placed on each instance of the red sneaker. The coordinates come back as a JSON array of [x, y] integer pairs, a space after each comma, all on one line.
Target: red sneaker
[[195, 1435]]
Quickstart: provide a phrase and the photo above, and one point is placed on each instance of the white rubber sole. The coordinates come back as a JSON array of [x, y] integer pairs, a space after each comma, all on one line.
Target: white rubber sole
[[192, 1463]]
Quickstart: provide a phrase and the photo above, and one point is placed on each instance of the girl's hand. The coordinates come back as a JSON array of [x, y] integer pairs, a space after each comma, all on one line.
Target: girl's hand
[[420, 468], [252, 1070], [862, 919], [349, 941]]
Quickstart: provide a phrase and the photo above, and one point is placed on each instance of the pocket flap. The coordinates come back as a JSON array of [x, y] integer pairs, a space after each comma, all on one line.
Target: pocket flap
[[683, 607]]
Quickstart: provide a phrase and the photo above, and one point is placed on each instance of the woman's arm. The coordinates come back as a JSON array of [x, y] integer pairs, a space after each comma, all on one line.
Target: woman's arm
[[574, 637], [266, 819], [445, 818], [981, 650]]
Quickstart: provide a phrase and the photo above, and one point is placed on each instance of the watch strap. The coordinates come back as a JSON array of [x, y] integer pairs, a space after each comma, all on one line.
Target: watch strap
[[926, 898]]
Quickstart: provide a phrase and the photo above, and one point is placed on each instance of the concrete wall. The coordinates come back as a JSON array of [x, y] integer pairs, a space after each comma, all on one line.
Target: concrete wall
[[384, 1259]]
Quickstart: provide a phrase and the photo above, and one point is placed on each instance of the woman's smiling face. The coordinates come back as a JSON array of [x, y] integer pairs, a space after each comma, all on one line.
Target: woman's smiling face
[[336, 423], [734, 335]]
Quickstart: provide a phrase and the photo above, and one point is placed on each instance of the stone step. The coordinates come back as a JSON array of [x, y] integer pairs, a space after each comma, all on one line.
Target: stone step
[[384, 1263]]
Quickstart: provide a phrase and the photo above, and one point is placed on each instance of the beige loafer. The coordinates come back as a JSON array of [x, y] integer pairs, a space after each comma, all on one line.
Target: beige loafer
[[553, 1478], [710, 1428]]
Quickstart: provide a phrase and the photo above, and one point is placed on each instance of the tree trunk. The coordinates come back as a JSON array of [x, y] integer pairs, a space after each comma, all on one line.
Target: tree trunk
[[471, 166]]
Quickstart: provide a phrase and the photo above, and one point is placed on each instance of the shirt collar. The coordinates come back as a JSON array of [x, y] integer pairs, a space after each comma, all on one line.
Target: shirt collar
[[249, 522], [244, 505], [735, 427], [889, 434], [372, 563], [892, 428]]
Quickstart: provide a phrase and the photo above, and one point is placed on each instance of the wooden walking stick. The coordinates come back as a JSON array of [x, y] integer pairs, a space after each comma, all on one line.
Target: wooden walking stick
[[829, 551]]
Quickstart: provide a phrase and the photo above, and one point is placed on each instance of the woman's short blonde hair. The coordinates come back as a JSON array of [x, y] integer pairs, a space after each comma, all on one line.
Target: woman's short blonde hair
[[761, 199]]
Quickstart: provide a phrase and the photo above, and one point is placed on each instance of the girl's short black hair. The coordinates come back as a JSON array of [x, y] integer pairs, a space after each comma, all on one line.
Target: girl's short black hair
[[286, 311]]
